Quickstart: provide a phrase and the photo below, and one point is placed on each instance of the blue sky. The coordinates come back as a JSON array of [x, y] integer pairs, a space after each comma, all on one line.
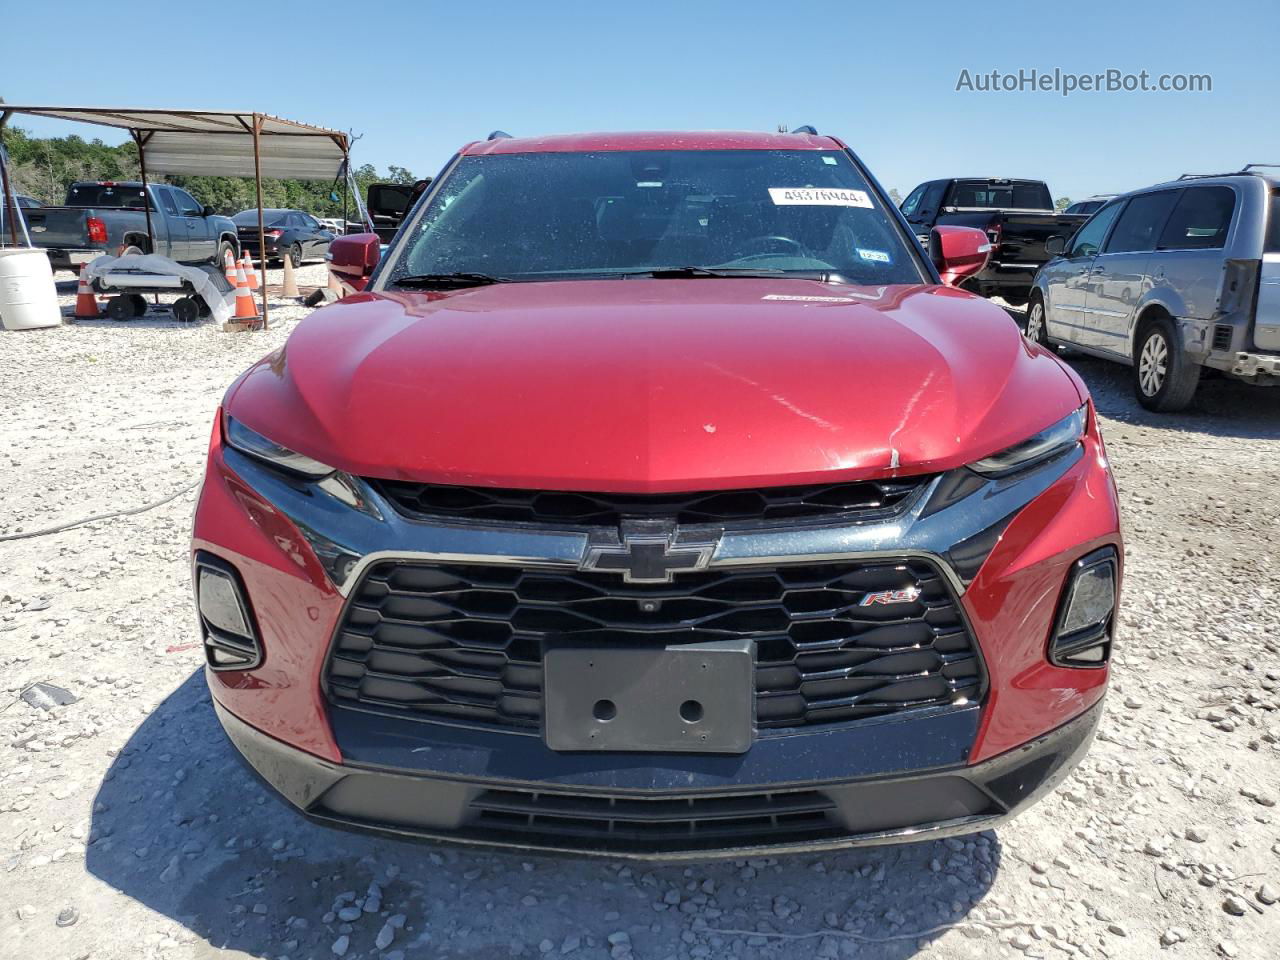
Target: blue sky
[[882, 76]]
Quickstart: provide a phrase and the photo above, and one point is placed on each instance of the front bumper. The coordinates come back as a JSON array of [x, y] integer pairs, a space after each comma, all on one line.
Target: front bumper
[[465, 786], [301, 548]]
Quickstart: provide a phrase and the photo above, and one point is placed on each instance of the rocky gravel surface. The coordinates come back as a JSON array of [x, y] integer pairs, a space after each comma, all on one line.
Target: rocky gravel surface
[[128, 829]]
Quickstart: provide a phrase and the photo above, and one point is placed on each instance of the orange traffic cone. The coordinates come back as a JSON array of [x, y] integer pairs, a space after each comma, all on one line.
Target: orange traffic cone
[[251, 274], [245, 307], [229, 267], [86, 305]]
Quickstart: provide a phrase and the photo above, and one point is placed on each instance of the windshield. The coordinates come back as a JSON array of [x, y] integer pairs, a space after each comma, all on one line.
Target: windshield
[[270, 218], [538, 216]]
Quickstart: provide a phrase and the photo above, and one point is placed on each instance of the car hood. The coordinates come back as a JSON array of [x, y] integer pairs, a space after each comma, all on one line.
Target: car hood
[[654, 385]]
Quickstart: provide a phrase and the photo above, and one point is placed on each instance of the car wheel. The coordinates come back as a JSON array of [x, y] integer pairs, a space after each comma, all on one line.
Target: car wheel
[[220, 255], [295, 255], [1164, 378], [1036, 331]]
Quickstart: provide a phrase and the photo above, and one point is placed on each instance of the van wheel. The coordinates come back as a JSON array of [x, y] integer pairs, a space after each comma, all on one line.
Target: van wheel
[[1036, 331], [1164, 379]]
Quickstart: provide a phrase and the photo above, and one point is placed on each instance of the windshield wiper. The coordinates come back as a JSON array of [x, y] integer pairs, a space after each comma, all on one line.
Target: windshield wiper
[[428, 281], [679, 273]]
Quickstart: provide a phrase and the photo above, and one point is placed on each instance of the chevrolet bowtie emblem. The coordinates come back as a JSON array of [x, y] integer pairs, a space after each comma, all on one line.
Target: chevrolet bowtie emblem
[[648, 557]]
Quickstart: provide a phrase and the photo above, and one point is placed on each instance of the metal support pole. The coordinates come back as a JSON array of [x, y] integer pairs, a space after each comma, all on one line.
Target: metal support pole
[[146, 194], [262, 231], [346, 177], [10, 205]]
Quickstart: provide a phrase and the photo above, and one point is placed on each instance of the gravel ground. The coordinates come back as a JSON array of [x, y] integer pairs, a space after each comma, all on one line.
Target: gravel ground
[[129, 830]]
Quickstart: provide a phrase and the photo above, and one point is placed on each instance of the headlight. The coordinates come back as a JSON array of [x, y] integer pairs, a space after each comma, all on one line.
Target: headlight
[[268, 451], [1049, 442]]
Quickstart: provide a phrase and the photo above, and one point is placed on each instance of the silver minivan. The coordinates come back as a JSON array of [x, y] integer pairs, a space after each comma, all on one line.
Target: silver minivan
[[1170, 280]]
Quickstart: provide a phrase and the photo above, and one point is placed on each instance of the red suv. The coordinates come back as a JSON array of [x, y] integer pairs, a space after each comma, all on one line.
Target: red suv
[[659, 497]]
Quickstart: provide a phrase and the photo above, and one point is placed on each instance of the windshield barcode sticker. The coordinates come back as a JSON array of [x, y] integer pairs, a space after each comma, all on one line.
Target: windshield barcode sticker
[[818, 197]]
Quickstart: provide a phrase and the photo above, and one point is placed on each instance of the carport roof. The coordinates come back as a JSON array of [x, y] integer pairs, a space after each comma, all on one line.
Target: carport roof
[[213, 142]]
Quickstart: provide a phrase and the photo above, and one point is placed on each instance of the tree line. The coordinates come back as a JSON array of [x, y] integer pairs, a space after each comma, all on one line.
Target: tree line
[[43, 167]]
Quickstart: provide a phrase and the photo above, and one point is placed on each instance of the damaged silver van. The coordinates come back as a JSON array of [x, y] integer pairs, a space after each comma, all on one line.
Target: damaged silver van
[[1171, 279]]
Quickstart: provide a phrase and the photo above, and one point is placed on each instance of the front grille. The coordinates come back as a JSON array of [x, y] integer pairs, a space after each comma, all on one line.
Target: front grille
[[465, 641], [625, 823], [429, 500]]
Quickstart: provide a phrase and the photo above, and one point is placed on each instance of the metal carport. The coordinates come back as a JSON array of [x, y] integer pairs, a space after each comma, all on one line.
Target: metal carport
[[220, 143]]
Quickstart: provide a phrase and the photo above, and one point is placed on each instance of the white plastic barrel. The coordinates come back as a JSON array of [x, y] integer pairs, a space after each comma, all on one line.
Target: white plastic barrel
[[28, 297]]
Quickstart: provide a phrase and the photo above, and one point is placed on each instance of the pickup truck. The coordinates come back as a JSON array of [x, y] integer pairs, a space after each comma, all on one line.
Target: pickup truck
[[109, 217], [390, 203], [1016, 215]]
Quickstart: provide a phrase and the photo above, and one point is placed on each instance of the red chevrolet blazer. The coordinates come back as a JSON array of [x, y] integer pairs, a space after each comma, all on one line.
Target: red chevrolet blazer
[[660, 496]]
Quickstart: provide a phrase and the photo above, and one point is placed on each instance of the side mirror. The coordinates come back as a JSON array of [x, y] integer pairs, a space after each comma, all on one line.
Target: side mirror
[[958, 252], [206, 211], [1055, 246], [354, 257]]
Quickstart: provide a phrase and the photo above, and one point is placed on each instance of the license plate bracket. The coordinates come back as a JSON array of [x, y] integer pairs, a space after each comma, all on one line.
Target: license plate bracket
[[695, 698]]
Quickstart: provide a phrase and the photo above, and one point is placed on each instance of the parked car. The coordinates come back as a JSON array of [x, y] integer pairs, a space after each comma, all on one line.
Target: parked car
[[333, 225], [110, 217], [1172, 279], [1090, 206], [291, 233], [659, 497], [1017, 216]]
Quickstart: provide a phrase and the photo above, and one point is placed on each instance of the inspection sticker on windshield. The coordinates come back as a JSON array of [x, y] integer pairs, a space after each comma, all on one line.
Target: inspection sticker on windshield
[[875, 256], [818, 197]]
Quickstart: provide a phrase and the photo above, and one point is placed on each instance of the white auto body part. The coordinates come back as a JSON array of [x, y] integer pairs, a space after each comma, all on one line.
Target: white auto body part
[[150, 270]]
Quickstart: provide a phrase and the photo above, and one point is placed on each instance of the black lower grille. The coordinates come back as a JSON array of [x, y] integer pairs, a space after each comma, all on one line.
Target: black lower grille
[[833, 641], [430, 500], [683, 822]]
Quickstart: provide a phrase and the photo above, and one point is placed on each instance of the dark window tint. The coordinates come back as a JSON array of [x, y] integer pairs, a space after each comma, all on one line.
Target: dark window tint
[[1090, 236], [910, 204], [1006, 194], [1200, 219], [106, 195], [1084, 206], [1273, 225], [166, 201], [932, 199], [187, 206], [1140, 224], [249, 218]]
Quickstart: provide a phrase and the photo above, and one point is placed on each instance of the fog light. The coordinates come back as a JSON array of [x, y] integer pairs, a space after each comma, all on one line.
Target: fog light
[[230, 640], [1086, 617]]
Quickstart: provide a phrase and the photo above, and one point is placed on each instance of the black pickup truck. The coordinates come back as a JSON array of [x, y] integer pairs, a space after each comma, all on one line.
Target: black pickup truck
[[1017, 215], [390, 203]]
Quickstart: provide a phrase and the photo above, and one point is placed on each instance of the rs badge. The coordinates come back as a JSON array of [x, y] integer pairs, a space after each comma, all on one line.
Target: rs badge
[[887, 597]]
